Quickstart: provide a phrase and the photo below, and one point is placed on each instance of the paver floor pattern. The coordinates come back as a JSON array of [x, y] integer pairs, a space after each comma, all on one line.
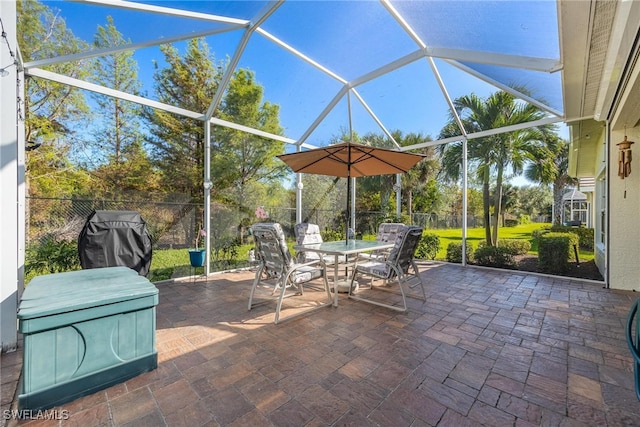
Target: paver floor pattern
[[487, 348]]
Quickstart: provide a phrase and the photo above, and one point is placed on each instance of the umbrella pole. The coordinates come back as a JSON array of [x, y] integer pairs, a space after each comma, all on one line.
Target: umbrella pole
[[348, 208], [348, 195], [349, 165], [348, 213]]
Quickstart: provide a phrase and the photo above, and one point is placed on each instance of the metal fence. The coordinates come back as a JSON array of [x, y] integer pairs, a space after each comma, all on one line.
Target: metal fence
[[175, 224], [171, 224]]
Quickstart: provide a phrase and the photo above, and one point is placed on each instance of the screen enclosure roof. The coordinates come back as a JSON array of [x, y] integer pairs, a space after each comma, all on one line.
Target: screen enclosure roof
[[336, 67]]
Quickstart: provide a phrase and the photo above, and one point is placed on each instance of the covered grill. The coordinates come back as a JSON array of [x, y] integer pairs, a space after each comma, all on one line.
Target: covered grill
[[115, 238]]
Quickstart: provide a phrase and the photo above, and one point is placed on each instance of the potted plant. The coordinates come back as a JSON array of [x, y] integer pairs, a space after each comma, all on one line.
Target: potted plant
[[197, 255]]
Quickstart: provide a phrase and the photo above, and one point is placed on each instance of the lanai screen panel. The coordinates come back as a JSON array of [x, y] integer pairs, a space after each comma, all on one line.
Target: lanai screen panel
[[519, 30], [307, 54]]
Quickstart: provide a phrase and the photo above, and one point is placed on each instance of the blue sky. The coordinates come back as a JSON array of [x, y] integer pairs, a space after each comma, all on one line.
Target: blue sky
[[350, 39]]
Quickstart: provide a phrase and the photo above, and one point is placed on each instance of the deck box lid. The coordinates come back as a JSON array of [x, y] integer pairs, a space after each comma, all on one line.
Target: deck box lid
[[58, 293]]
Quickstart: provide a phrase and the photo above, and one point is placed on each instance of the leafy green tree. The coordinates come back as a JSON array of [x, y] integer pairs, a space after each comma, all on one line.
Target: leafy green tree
[[322, 197], [177, 143], [239, 158], [451, 201], [416, 181], [52, 110], [190, 81], [116, 147], [536, 200], [133, 174], [550, 165], [474, 201], [428, 198], [510, 199], [377, 190], [492, 157]]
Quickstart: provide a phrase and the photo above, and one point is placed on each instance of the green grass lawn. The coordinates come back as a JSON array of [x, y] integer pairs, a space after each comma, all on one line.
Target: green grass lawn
[[170, 263], [476, 235]]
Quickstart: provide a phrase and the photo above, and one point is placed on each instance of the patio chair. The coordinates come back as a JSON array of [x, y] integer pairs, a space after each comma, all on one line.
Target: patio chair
[[277, 269], [387, 232], [309, 233], [399, 266]]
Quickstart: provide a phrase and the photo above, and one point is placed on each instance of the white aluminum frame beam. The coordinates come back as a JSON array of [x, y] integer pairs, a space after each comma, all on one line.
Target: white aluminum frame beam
[[127, 47], [226, 78], [484, 133], [169, 11], [37, 72], [504, 87]]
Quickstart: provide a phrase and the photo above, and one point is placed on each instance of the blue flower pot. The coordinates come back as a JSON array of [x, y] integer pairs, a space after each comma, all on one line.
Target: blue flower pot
[[197, 257]]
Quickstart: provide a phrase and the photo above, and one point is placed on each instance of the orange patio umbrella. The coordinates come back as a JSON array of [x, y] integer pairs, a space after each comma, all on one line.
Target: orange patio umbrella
[[351, 160]]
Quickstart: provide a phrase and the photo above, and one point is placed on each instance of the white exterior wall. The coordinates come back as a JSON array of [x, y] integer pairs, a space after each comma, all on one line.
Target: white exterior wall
[[11, 186], [624, 215]]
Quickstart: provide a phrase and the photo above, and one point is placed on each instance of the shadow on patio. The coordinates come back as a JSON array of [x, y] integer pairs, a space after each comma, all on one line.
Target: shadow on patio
[[489, 347]]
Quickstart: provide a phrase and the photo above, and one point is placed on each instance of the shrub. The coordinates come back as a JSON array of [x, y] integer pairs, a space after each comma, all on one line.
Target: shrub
[[428, 246], [495, 256], [329, 235], [585, 235], [516, 246], [525, 219], [454, 252], [224, 250], [161, 274], [51, 256], [555, 250], [535, 234], [510, 222]]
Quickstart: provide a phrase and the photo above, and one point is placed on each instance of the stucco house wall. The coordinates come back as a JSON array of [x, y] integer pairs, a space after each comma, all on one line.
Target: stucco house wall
[[624, 221]]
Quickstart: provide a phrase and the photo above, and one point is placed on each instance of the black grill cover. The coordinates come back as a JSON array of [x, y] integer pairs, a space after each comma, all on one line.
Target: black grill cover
[[115, 238]]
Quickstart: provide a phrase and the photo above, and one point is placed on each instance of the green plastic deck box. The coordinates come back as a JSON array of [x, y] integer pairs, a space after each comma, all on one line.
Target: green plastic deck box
[[84, 331]]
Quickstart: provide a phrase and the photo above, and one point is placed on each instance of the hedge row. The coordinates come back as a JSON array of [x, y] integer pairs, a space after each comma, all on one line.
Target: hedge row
[[555, 250], [585, 235]]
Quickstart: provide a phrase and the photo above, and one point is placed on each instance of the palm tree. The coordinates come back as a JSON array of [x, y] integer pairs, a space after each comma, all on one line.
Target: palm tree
[[492, 157], [414, 181], [551, 166], [381, 185]]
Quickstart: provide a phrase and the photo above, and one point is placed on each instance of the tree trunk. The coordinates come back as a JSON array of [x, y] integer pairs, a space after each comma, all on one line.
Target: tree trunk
[[486, 203], [558, 191], [498, 206]]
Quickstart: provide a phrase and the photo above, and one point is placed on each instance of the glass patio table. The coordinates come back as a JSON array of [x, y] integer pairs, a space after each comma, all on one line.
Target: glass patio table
[[343, 248]]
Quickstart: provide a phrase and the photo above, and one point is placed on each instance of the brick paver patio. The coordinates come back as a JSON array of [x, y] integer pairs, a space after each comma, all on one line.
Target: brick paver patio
[[492, 348]]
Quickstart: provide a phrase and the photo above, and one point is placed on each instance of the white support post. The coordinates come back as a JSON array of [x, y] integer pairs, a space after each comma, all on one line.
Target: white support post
[[299, 188], [12, 183], [207, 196], [464, 202]]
